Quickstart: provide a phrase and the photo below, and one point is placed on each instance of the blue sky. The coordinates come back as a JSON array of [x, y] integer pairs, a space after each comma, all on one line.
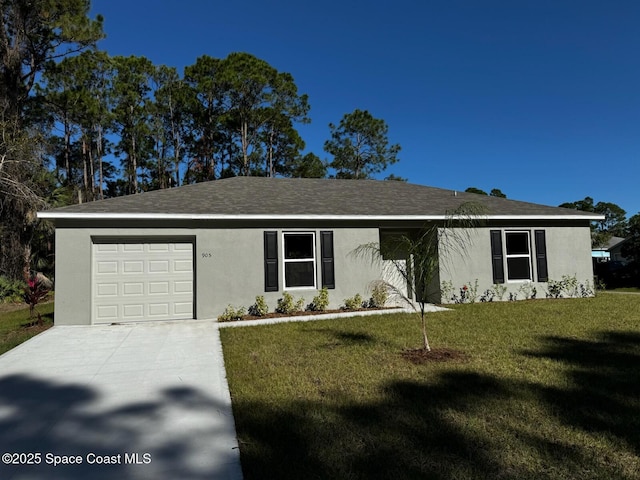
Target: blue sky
[[538, 98]]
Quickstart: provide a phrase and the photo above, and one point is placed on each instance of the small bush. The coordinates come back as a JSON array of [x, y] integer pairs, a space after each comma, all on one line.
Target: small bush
[[569, 287], [287, 306], [500, 290], [528, 291], [230, 314], [11, 291], [488, 295], [34, 293], [260, 308], [379, 295], [446, 289], [468, 294], [320, 302], [353, 303]]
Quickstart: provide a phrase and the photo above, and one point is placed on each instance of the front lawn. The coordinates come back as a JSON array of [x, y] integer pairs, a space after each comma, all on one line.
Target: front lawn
[[550, 389], [16, 327]]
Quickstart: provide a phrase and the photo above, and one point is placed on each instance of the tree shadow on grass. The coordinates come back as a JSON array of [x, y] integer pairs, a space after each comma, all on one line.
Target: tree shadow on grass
[[416, 431], [172, 425], [438, 429], [604, 391]]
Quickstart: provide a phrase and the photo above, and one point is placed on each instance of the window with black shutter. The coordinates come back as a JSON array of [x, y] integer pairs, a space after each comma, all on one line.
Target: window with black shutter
[[496, 256], [326, 259], [541, 256], [270, 261]]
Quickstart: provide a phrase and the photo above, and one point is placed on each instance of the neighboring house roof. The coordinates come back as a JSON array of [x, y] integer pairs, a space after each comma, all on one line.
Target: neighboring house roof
[[303, 198], [611, 243]]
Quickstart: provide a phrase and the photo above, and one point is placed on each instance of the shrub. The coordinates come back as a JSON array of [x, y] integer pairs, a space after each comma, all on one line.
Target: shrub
[[11, 290], [35, 291], [353, 303], [586, 290], [320, 302], [230, 314], [469, 294], [568, 287], [260, 308], [446, 288], [528, 291], [379, 295], [286, 305], [500, 290], [488, 295]]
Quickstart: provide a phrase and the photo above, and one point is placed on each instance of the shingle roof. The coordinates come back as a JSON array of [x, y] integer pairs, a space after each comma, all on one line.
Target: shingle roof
[[259, 197]]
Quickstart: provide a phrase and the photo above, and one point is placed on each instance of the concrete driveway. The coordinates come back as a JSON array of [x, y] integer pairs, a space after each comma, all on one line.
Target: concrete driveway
[[131, 401]]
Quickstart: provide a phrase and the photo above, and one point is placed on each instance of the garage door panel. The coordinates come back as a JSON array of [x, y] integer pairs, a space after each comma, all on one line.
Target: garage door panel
[[159, 310], [182, 308], [183, 287], [133, 266], [133, 289], [159, 288], [158, 266], [105, 267], [132, 311], [107, 313], [182, 266], [160, 247], [107, 289], [106, 247], [158, 277]]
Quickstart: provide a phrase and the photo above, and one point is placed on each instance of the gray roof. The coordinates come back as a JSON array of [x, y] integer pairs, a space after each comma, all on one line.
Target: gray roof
[[259, 197]]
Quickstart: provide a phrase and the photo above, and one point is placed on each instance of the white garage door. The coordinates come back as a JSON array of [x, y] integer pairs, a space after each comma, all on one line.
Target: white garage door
[[142, 281]]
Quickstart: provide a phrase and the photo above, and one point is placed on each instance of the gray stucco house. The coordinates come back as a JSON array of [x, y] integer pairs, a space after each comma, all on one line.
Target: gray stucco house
[[188, 252]]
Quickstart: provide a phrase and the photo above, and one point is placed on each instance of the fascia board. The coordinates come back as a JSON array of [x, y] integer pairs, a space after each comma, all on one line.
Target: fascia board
[[192, 216]]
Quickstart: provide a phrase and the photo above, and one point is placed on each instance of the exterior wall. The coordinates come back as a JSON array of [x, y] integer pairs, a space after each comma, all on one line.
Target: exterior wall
[[568, 250], [229, 260], [228, 264]]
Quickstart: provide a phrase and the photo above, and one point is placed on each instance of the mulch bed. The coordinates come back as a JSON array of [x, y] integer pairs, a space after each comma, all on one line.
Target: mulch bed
[[307, 313], [419, 356]]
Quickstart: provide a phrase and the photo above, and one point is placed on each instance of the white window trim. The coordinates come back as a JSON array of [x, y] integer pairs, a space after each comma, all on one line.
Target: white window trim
[[299, 260], [507, 256]]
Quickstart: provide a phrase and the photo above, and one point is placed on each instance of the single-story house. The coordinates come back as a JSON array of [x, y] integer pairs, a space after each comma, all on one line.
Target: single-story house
[[610, 251], [190, 251]]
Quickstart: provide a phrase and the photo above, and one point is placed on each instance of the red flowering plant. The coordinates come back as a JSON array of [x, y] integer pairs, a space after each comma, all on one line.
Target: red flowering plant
[[35, 291], [463, 293]]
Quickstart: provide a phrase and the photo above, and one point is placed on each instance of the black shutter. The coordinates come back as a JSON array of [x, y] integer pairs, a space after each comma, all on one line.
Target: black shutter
[[541, 256], [496, 256], [326, 258], [270, 261]]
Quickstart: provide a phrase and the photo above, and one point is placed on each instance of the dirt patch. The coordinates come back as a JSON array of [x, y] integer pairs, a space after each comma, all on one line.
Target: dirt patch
[[419, 356]]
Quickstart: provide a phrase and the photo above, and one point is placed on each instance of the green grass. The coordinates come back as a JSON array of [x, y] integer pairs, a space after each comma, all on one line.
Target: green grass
[[551, 390], [16, 327], [626, 289]]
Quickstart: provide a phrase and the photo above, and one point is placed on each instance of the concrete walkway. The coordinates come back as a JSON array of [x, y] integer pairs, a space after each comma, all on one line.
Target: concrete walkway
[[134, 401]]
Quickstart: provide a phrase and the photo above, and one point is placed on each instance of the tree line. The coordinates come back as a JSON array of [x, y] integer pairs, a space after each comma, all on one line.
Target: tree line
[[78, 125]]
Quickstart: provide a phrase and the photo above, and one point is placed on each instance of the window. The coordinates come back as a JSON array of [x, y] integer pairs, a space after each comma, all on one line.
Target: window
[[299, 260], [518, 255]]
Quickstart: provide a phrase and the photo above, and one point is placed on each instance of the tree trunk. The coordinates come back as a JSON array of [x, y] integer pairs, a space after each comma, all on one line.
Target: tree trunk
[[245, 147], [134, 165], [92, 174], [424, 328], [99, 154], [85, 167], [67, 149], [270, 165]]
